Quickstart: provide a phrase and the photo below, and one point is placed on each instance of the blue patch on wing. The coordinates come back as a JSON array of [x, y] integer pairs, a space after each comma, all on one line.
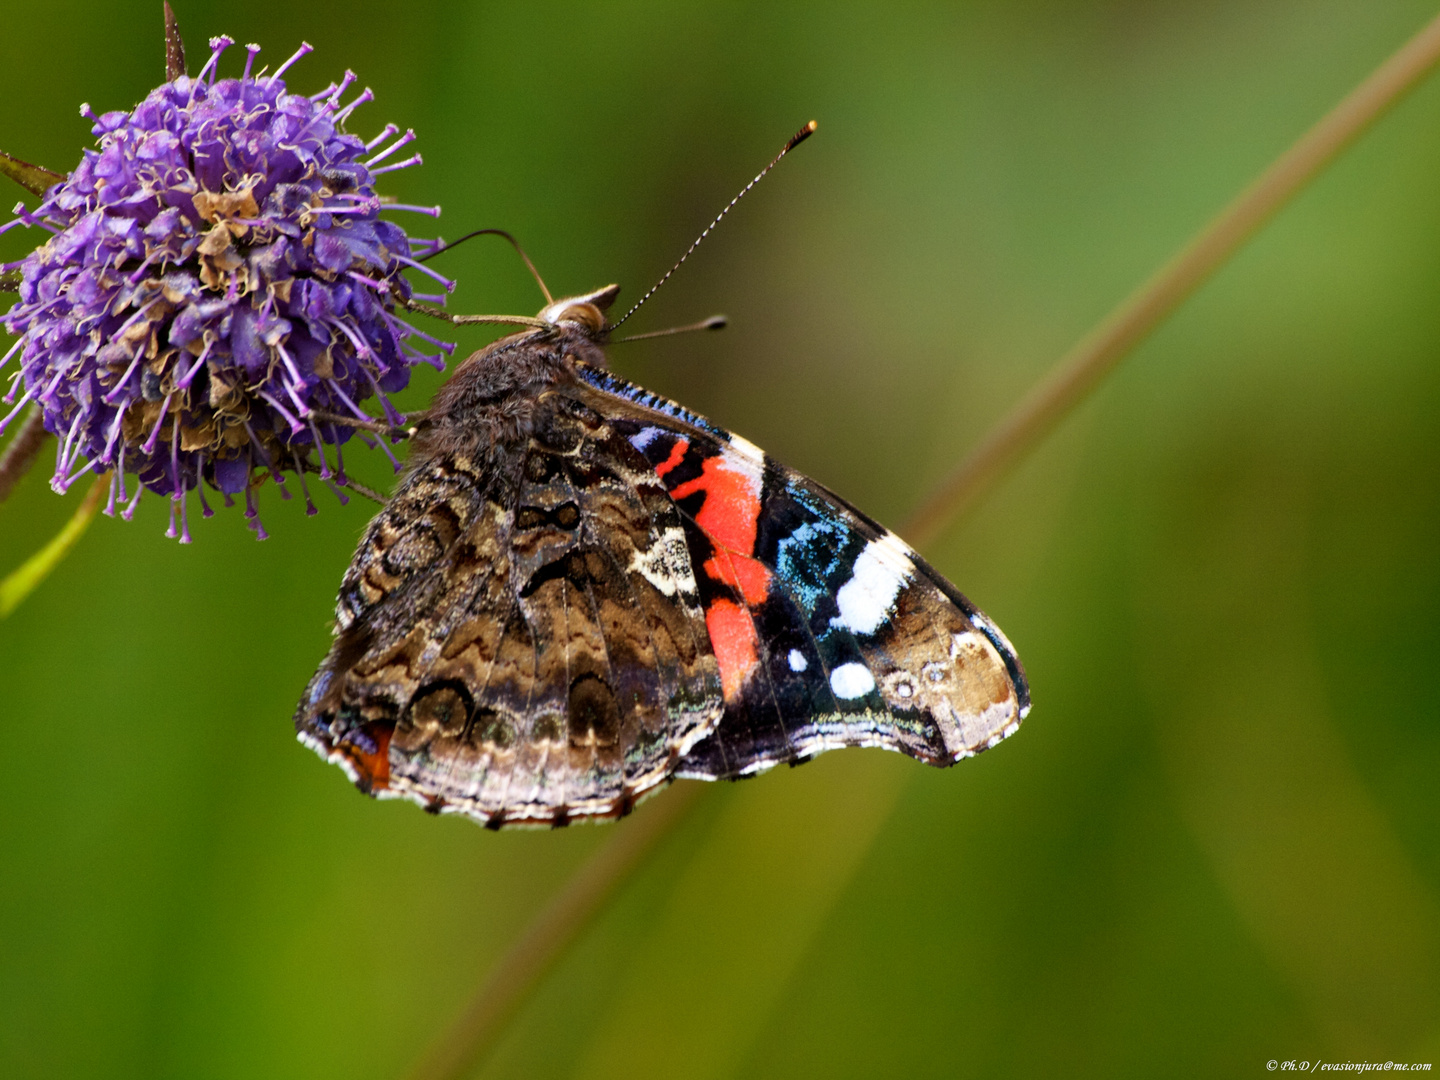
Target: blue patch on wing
[[644, 437], [808, 558]]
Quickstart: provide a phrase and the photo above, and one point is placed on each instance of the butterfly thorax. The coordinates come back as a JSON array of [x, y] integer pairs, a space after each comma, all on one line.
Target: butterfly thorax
[[493, 396]]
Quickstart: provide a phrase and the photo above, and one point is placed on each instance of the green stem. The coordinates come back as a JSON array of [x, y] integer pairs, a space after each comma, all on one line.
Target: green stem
[[36, 569]]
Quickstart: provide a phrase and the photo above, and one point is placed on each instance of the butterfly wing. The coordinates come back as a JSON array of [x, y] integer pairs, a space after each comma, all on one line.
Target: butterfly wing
[[828, 629], [520, 639]]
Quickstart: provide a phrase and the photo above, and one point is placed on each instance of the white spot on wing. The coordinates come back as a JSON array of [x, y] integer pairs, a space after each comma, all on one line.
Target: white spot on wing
[[746, 460], [850, 681], [666, 564], [896, 547], [747, 449], [797, 660], [867, 599]]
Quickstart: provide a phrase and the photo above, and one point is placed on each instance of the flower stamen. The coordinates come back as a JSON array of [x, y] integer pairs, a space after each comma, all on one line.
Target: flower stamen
[[149, 446], [415, 160], [360, 414], [305, 47], [447, 347], [269, 399], [386, 132], [217, 46], [428, 211], [331, 94], [310, 508], [128, 514], [404, 140], [436, 275], [366, 95]]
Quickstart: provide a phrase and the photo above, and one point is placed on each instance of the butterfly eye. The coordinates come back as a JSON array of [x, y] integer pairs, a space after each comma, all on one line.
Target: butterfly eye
[[587, 315], [586, 415]]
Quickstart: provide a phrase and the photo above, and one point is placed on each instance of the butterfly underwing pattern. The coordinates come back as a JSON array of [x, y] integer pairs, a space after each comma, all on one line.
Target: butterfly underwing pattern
[[581, 591]]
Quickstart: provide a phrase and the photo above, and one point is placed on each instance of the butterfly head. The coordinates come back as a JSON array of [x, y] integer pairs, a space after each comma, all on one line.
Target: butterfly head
[[585, 313]]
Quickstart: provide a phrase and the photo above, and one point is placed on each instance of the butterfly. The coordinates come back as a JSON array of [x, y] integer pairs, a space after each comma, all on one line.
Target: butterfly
[[581, 591]]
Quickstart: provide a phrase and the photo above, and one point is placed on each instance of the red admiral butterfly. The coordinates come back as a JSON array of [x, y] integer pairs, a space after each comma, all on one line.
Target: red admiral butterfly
[[581, 591]]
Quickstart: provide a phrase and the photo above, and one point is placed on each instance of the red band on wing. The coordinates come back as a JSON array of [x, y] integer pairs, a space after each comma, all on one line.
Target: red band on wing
[[729, 516], [732, 503], [732, 636], [677, 453], [749, 577]]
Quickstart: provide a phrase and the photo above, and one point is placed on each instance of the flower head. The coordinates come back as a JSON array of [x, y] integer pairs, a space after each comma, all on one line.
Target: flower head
[[217, 290]]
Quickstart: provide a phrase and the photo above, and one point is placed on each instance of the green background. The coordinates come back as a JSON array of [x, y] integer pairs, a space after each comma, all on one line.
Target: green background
[[1215, 840]]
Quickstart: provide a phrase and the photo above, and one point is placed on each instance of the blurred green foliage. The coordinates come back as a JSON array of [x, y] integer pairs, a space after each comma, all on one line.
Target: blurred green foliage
[[1214, 842]]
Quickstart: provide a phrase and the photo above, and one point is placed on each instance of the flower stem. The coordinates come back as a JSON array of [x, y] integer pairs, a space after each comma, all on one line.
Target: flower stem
[[1100, 351], [20, 454], [35, 569], [484, 1018], [550, 934]]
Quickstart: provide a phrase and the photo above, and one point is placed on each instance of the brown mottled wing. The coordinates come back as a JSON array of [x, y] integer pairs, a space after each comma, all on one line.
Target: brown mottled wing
[[520, 640]]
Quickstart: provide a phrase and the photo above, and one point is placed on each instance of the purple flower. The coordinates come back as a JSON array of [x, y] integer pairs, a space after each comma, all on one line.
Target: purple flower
[[217, 291]]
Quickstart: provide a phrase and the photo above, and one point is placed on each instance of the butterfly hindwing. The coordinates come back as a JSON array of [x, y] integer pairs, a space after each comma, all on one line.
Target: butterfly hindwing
[[521, 641], [828, 629]]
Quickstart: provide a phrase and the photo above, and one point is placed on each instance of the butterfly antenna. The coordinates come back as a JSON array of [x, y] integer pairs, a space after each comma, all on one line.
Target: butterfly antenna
[[799, 137], [715, 322], [513, 243]]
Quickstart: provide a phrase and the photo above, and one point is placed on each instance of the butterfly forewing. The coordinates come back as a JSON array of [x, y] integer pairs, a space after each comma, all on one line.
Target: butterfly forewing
[[829, 630]]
